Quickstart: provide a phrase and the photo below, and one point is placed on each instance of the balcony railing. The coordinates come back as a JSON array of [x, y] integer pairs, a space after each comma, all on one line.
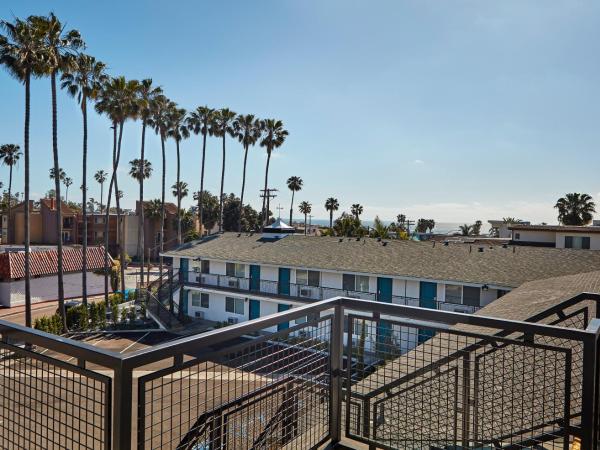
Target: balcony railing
[[305, 293], [473, 382]]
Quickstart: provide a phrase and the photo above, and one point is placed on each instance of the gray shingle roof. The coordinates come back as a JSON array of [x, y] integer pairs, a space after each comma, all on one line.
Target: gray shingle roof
[[499, 266]]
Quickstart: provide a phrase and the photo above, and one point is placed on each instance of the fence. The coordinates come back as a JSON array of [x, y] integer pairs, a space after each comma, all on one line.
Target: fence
[[472, 382]]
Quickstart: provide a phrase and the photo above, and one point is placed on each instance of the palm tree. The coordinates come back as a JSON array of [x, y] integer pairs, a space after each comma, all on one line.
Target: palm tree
[[331, 205], [294, 184], [178, 131], [575, 209], [21, 53], [248, 130], [61, 174], [305, 208], [356, 209], [10, 155], [273, 137], [180, 189], [161, 123], [221, 127], [59, 49], [117, 99], [379, 230], [83, 83], [140, 170], [101, 176], [466, 230], [67, 181], [147, 94], [199, 121]]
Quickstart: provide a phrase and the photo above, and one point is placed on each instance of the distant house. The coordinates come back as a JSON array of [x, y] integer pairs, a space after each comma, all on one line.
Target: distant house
[[559, 236], [500, 228], [44, 268]]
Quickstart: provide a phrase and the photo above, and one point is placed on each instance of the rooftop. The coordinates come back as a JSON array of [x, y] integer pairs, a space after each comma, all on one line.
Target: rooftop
[[493, 265], [557, 228]]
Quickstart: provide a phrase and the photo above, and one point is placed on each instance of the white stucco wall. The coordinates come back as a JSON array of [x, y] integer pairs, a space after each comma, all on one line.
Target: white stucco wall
[[270, 273], [46, 288], [534, 236], [218, 267], [594, 239], [331, 280]]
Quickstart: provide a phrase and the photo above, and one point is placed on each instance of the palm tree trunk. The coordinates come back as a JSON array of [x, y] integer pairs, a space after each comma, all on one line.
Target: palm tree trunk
[[141, 213], [266, 194], [120, 228], [292, 207], [162, 205], [331, 219], [243, 187], [222, 183], [305, 224], [84, 204], [61, 287], [178, 195], [8, 237], [107, 213], [27, 228], [201, 196]]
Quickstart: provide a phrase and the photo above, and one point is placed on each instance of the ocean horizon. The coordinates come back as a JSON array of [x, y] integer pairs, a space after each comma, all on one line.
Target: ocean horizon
[[441, 227]]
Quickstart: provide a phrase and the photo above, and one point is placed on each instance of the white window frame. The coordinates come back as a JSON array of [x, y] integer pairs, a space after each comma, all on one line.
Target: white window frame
[[236, 305], [303, 281]]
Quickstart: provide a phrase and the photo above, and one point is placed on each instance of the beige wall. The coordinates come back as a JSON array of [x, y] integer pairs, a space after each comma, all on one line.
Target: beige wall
[[35, 228]]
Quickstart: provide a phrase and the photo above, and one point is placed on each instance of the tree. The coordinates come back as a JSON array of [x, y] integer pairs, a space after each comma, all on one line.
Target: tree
[[349, 226], [67, 181], [401, 219], [59, 48], [294, 184], [100, 177], [247, 129], [356, 209], [476, 228], [210, 205], [575, 209], [331, 205], [83, 82], [178, 131], [466, 230], [117, 100], [145, 104], [21, 53], [61, 174], [222, 126], [273, 137], [180, 190], [140, 170], [161, 122], [305, 208], [379, 230], [199, 122], [10, 155]]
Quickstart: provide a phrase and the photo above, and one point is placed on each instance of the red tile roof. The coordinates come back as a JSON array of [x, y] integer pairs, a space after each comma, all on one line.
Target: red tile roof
[[12, 264]]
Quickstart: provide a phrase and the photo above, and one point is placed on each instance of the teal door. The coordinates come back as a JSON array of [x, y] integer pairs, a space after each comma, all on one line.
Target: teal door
[[254, 309], [283, 325], [284, 281], [384, 290], [427, 299], [184, 268], [384, 328], [254, 277]]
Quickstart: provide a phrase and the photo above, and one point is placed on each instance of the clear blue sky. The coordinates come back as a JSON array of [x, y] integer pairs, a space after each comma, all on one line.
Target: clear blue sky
[[456, 110]]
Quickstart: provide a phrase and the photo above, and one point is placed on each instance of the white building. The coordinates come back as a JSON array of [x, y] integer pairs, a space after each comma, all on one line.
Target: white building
[[559, 236]]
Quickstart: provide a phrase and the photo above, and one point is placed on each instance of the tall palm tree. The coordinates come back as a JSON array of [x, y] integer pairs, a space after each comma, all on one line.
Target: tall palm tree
[[178, 131], [117, 100], [67, 181], [10, 155], [147, 94], [575, 209], [161, 123], [305, 208], [273, 137], [199, 122], [140, 170], [331, 205], [294, 184], [21, 53], [356, 209], [248, 130], [83, 83], [100, 177], [222, 126], [59, 49], [61, 174], [180, 189]]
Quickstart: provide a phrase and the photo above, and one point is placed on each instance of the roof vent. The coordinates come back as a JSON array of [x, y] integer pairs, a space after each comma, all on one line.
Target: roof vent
[[446, 243], [357, 239], [341, 239], [378, 239], [239, 234], [384, 243], [480, 249], [504, 245]]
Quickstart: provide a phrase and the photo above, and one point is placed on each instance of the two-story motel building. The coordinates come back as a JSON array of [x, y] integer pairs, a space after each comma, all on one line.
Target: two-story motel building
[[235, 277]]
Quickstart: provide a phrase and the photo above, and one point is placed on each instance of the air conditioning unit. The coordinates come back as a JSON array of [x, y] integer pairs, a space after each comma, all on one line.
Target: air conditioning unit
[[199, 314], [305, 292], [353, 295], [196, 269], [234, 283], [232, 320]]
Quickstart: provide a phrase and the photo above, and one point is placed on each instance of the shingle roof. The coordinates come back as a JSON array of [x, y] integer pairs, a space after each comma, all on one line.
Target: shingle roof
[[497, 266], [558, 228], [12, 264]]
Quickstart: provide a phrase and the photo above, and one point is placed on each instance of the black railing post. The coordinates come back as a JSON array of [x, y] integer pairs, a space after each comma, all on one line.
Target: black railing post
[[466, 400], [589, 407], [123, 402], [337, 351], [170, 281]]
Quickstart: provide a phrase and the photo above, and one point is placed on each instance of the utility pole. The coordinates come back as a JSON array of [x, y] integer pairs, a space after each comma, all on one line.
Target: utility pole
[[408, 224], [310, 221], [268, 194], [279, 208]]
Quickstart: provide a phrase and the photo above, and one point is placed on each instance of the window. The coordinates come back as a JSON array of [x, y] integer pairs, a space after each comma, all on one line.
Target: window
[[308, 278], [234, 305], [205, 266], [300, 320], [236, 270], [471, 296], [517, 236], [358, 283], [580, 242], [196, 299], [98, 219], [454, 293]]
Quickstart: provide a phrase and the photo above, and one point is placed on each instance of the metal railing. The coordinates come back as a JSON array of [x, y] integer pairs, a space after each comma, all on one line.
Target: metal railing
[[471, 382], [305, 293]]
